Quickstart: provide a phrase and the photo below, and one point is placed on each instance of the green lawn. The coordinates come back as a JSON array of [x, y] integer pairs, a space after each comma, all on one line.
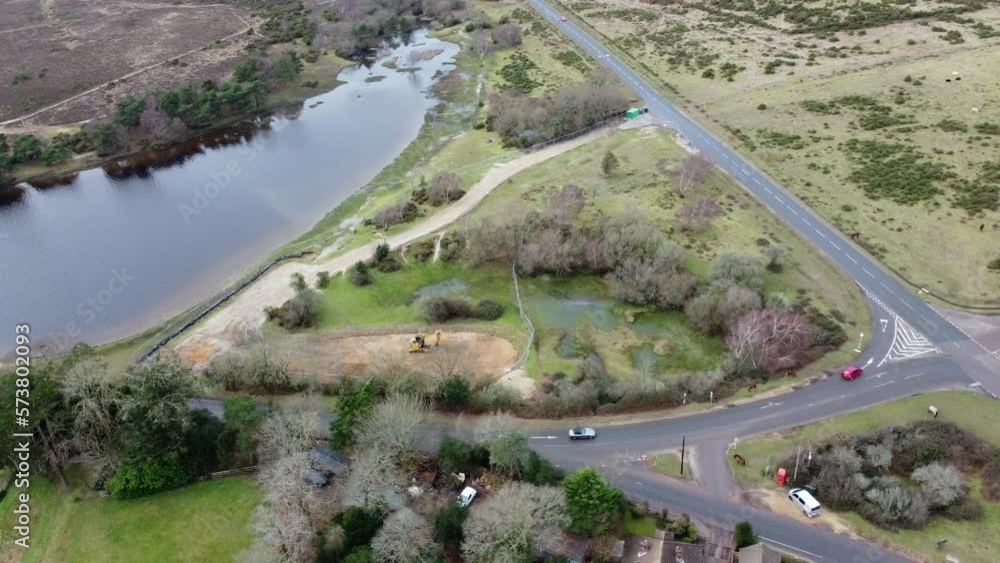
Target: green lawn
[[970, 541], [639, 525], [669, 464], [202, 522]]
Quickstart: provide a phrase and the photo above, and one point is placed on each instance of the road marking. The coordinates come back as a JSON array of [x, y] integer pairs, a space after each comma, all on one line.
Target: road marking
[[544, 437], [871, 275], [883, 384], [884, 323], [820, 233], [833, 244], [791, 547], [912, 376], [794, 212], [851, 258], [756, 181], [878, 375]]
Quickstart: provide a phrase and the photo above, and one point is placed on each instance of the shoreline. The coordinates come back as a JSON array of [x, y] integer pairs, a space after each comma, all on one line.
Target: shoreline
[[290, 95]]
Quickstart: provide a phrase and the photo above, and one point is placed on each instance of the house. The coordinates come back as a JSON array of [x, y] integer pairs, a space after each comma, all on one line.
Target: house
[[325, 460], [660, 549], [759, 553], [325, 463], [562, 545]]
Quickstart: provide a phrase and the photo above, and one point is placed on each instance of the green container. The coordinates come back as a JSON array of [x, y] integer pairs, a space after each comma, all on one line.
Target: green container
[[633, 113]]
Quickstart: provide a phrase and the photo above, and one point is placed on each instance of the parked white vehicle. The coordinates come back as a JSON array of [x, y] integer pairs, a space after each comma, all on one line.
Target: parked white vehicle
[[805, 501], [466, 497]]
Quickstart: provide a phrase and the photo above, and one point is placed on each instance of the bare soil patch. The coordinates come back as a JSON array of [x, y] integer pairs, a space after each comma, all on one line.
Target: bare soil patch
[[332, 355], [55, 49]]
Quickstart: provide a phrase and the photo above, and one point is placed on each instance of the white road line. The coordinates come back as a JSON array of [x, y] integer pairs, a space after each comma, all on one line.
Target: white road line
[[908, 305], [756, 181], [833, 244], [851, 258], [820, 233], [794, 212], [912, 376], [791, 547], [883, 384], [869, 273]]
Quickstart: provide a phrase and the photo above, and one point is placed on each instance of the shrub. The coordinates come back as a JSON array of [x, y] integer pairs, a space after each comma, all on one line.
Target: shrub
[[762, 107], [737, 269], [442, 309], [488, 310], [359, 275], [941, 484], [301, 311], [138, 478], [454, 393], [25, 148], [422, 250], [298, 281], [359, 525], [381, 252], [256, 371], [994, 264], [744, 535], [389, 264], [448, 524], [322, 279], [774, 258], [966, 508]]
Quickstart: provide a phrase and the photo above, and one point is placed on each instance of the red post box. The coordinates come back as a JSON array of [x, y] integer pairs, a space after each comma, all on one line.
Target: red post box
[[782, 477]]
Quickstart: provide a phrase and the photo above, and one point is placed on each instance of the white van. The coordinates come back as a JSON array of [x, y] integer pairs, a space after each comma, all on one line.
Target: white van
[[466, 496], [805, 501]]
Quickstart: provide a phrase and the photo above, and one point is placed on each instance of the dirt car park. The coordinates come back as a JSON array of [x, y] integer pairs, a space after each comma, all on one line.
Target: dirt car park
[[53, 50]]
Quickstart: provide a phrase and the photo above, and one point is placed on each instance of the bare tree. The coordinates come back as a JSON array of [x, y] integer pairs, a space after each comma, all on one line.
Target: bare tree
[[771, 340], [445, 187], [566, 204], [393, 425], [373, 479], [507, 526], [698, 215], [507, 35], [285, 522], [693, 172], [405, 537], [481, 44], [286, 433], [942, 484]]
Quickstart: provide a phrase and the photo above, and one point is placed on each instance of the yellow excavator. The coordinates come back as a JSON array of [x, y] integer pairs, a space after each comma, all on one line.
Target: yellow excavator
[[419, 344]]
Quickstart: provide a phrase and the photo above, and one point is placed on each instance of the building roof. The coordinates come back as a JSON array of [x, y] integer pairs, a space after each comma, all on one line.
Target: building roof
[[328, 461], [660, 550], [759, 553], [315, 478]]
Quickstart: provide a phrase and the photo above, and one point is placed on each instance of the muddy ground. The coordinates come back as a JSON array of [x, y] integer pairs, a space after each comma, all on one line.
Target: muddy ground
[[51, 50]]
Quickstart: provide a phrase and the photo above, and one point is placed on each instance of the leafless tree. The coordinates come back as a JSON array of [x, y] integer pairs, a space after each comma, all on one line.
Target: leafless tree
[[481, 44], [566, 204], [405, 537], [392, 426], [507, 35], [693, 172], [286, 521], [286, 433], [373, 480], [445, 187], [771, 340], [507, 526], [698, 215]]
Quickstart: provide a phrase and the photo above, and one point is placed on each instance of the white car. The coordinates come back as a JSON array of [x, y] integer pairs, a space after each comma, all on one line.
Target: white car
[[582, 433], [466, 497], [805, 501]]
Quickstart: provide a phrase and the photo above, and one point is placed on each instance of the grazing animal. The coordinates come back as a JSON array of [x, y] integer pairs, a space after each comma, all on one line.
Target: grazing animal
[[752, 388], [791, 374], [740, 459]]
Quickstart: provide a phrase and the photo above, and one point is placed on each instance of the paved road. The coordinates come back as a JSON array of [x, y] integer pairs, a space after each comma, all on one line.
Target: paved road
[[914, 349], [890, 295]]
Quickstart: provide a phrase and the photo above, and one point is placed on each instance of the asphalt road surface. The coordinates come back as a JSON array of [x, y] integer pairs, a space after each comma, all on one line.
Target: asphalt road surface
[[891, 297]]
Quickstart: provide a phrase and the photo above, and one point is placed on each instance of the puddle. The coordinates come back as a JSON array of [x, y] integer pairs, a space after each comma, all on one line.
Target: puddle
[[447, 287]]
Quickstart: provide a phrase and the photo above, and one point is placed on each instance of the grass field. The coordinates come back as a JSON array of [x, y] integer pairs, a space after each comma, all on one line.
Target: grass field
[[970, 541], [738, 69], [806, 278], [202, 522], [669, 464]]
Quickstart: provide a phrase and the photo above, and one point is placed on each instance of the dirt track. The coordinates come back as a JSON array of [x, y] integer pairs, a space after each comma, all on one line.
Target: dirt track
[[244, 313]]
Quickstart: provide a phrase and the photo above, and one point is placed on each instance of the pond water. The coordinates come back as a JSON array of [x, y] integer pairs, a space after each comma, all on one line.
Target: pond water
[[112, 251], [552, 312], [446, 287]]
